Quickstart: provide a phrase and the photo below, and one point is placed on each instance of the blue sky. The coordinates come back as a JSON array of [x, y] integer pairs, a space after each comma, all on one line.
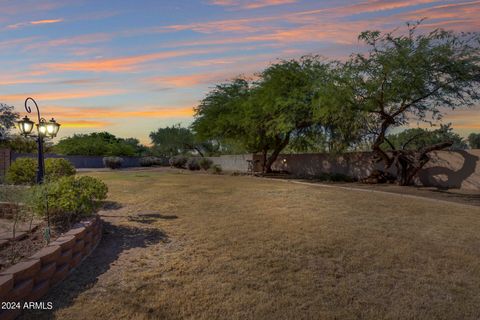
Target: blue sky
[[129, 67]]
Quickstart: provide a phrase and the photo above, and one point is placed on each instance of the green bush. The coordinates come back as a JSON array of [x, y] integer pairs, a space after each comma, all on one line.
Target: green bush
[[23, 171], [215, 169], [56, 168], [67, 199], [112, 162], [205, 163], [178, 161], [152, 161], [334, 177], [192, 164]]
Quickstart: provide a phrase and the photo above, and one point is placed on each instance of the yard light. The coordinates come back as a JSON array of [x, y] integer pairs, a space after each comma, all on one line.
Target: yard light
[[45, 129], [52, 128], [25, 126], [42, 128]]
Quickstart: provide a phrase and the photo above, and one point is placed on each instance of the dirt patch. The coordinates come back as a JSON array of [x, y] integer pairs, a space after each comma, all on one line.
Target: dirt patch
[[16, 250]]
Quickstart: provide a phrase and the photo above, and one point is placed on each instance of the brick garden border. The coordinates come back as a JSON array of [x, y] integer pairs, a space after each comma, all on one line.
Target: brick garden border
[[31, 279]]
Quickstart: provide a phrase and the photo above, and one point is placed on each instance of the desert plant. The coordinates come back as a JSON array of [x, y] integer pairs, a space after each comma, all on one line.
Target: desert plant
[[67, 199], [56, 168], [113, 162], [152, 161], [205, 163], [178, 161], [215, 169], [193, 164], [22, 171], [334, 177]]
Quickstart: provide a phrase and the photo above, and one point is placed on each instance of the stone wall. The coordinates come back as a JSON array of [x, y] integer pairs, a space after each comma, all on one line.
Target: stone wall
[[30, 280]]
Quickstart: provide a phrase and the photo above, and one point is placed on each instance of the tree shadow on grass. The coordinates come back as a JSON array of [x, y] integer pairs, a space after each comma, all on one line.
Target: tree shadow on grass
[[149, 218], [115, 240]]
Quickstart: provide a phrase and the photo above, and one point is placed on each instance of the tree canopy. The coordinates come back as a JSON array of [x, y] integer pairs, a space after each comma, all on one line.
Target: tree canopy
[[474, 140], [7, 120], [98, 144], [417, 138], [410, 77]]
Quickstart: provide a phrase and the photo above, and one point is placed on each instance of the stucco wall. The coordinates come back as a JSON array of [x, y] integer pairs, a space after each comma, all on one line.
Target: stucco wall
[[447, 169], [233, 162]]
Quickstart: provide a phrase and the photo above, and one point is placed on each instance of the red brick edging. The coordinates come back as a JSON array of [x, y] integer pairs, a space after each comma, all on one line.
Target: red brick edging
[[30, 280]]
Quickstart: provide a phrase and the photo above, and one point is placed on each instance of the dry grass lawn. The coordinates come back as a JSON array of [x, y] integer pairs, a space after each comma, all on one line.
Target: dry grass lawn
[[196, 246]]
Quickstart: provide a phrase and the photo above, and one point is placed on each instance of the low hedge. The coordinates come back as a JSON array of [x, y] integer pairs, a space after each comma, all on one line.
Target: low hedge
[[23, 171], [67, 199]]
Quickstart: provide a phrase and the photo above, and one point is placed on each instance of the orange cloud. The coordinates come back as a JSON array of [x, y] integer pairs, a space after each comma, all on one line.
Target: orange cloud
[[191, 79], [33, 23], [118, 64], [61, 112], [52, 96], [47, 21], [249, 4], [85, 124]]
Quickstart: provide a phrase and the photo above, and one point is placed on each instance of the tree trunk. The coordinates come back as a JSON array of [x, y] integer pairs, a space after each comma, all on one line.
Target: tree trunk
[[408, 163], [279, 147], [264, 160]]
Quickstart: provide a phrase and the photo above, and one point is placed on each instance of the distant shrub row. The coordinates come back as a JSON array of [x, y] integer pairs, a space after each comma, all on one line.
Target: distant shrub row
[[194, 163]]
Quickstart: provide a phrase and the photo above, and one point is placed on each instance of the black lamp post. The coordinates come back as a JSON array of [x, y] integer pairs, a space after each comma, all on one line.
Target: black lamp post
[[44, 129]]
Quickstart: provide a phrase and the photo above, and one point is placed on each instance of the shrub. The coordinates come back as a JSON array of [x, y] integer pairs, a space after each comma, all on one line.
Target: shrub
[[215, 169], [178, 161], [112, 162], [205, 163], [334, 177], [56, 168], [67, 199], [22, 171], [152, 161], [193, 164]]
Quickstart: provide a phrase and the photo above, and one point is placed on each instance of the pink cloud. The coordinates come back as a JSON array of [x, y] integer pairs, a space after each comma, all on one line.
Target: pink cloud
[[251, 4]]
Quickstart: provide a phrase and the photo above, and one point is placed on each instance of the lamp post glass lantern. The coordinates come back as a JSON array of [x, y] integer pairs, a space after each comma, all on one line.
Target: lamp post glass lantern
[[45, 129]]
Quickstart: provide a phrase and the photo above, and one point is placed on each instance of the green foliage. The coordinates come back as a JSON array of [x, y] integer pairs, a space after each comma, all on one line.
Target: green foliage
[[112, 162], [153, 161], [193, 164], [215, 169], [7, 120], [417, 138], [23, 171], [20, 144], [98, 144], [175, 140], [474, 140], [264, 115], [56, 168], [205, 163], [178, 161], [67, 199]]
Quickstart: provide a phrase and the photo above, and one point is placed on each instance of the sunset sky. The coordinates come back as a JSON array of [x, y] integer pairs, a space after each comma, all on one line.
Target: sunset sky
[[129, 67]]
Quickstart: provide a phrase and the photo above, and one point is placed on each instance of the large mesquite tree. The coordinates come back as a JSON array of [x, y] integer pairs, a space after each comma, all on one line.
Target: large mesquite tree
[[265, 114], [410, 77]]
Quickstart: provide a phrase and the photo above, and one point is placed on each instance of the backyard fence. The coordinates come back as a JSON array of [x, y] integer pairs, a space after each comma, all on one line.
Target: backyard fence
[[82, 161], [447, 169]]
